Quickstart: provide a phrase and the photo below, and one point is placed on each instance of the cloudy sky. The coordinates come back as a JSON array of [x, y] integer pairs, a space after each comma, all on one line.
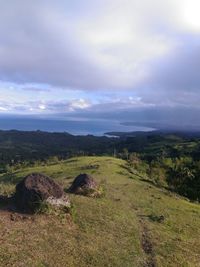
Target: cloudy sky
[[100, 58]]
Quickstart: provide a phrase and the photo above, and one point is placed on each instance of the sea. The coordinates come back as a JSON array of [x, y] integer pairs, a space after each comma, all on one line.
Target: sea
[[75, 127]]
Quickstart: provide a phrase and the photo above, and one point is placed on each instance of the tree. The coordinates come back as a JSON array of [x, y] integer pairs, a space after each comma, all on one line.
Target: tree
[[125, 153]]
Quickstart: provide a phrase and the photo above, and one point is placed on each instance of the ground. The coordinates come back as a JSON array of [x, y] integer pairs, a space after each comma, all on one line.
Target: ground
[[133, 224]]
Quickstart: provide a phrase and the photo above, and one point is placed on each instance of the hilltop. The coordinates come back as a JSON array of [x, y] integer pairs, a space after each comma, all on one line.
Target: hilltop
[[135, 223]]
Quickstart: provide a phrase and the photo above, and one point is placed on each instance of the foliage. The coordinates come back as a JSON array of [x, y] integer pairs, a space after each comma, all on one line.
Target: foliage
[[184, 177], [168, 159]]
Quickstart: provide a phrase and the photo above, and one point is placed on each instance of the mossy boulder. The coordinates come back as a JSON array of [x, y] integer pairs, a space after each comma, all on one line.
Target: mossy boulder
[[34, 189], [84, 184]]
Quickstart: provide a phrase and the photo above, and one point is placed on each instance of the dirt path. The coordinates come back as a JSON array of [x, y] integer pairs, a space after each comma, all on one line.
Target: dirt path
[[146, 242], [147, 245]]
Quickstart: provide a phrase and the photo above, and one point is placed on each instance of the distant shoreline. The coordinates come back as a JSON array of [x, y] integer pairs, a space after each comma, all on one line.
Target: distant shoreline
[[74, 127]]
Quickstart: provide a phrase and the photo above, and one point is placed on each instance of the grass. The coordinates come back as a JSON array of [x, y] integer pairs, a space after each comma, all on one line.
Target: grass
[[106, 231]]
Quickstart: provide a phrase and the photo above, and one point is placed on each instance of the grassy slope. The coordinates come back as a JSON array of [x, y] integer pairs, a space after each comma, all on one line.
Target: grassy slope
[[111, 231]]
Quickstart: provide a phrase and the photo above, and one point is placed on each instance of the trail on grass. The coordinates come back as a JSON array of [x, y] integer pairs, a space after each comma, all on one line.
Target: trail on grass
[[147, 245]]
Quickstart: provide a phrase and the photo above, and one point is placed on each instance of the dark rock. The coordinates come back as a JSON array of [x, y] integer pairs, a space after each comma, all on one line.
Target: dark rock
[[156, 218], [161, 218], [34, 189], [4, 199], [18, 217], [83, 184], [90, 167]]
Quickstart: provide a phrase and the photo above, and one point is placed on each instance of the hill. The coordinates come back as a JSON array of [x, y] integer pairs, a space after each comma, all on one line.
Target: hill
[[134, 224], [18, 146]]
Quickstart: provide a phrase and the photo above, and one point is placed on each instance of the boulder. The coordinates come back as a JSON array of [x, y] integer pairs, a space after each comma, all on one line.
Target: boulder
[[83, 184], [34, 189]]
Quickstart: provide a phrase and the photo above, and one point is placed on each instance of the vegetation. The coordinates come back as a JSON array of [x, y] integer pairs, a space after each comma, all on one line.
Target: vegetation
[[167, 159], [134, 224]]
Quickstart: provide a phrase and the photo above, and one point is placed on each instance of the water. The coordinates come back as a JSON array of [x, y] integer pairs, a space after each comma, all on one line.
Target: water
[[94, 127]]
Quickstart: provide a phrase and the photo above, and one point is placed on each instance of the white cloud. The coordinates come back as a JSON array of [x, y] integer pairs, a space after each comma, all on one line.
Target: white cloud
[[108, 54], [78, 104], [106, 45], [189, 15], [3, 109], [42, 107]]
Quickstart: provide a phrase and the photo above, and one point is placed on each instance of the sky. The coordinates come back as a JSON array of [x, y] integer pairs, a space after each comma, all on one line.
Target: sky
[[114, 59]]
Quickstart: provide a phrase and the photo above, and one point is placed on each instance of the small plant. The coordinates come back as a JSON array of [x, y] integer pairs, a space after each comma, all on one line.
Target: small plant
[[92, 192], [42, 207], [101, 191], [157, 218], [72, 211], [90, 167]]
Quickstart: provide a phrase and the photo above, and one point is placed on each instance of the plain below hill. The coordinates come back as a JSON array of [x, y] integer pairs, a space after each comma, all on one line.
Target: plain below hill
[[133, 224]]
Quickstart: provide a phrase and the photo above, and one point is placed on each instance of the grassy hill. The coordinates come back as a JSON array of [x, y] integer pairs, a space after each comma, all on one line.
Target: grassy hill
[[134, 224]]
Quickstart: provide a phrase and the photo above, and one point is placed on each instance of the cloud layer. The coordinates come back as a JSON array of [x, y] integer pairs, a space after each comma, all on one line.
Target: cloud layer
[[66, 56]]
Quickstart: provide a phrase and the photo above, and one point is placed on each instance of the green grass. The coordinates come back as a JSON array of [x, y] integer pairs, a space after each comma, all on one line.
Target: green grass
[[105, 231]]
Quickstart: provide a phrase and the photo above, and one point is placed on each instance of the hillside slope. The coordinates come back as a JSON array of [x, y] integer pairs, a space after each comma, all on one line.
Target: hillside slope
[[134, 224]]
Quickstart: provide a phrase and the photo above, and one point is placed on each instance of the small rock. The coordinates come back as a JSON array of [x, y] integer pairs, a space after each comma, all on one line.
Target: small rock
[[83, 184], [161, 218], [59, 202]]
